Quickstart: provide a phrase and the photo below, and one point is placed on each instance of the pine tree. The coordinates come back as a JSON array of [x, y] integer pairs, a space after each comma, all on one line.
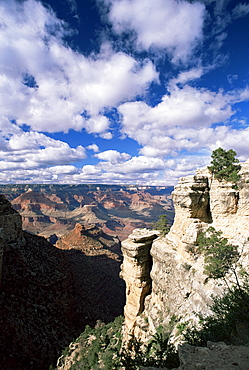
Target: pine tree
[[224, 165]]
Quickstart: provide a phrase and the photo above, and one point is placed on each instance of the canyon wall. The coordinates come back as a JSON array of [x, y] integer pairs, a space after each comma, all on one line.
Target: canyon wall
[[49, 294], [175, 285], [10, 228]]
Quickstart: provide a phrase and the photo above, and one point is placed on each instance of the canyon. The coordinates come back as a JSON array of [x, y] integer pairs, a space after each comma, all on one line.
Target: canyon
[[166, 285], [53, 210], [164, 276], [49, 294]]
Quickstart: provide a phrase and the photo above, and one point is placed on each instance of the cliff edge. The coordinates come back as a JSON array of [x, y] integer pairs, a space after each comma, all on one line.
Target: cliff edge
[[176, 285]]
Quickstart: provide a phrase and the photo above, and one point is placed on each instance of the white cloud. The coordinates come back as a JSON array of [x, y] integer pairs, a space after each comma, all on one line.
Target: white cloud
[[97, 124], [90, 170], [62, 155], [7, 128], [144, 170], [93, 147], [113, 156], [232, 139], [141, 169], [241, 10], [186, 76], [35, 150], [57, 174], [187, 119], [172, 25], [48, 86], [134, 165], [59, 170], [187, 107]]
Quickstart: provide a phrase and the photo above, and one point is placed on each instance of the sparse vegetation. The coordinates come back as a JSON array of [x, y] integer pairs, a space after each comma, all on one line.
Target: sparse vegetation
[[96, 347], [100, 348], [229, 321]]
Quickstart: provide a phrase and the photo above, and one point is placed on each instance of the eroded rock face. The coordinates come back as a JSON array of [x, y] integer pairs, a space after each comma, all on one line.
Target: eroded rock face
[[54, 209], [136, 273], [178, 286], [10, 221]]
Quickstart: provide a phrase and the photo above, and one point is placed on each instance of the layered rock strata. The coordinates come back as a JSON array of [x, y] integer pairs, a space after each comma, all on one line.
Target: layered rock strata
[[178, 287], [135, 271]]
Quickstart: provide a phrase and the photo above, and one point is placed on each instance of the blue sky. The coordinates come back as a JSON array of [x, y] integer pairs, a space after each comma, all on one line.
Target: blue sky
[[120, 91]]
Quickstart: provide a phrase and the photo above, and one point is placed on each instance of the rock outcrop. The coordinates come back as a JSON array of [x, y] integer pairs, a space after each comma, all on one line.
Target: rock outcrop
[[136, 273], [178, 287]]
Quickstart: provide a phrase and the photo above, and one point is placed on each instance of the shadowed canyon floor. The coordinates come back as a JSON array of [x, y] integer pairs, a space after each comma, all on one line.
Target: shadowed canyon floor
[[49, 294]]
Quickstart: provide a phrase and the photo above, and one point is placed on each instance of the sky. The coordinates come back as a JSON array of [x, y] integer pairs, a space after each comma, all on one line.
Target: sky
[[121, 91]]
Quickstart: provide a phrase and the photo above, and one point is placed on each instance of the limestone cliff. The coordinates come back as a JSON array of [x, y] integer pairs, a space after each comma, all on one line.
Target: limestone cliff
[[175, 284]]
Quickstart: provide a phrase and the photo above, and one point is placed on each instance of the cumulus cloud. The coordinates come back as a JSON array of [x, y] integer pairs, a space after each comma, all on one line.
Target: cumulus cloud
[[64, 169], [144, 170], [93, 147], [187, 119], [134, 165], [50, 87], [35, 150], [175, 26], [186, 107], [97, 124], [56, 174], [113, 156], [141, 169]]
